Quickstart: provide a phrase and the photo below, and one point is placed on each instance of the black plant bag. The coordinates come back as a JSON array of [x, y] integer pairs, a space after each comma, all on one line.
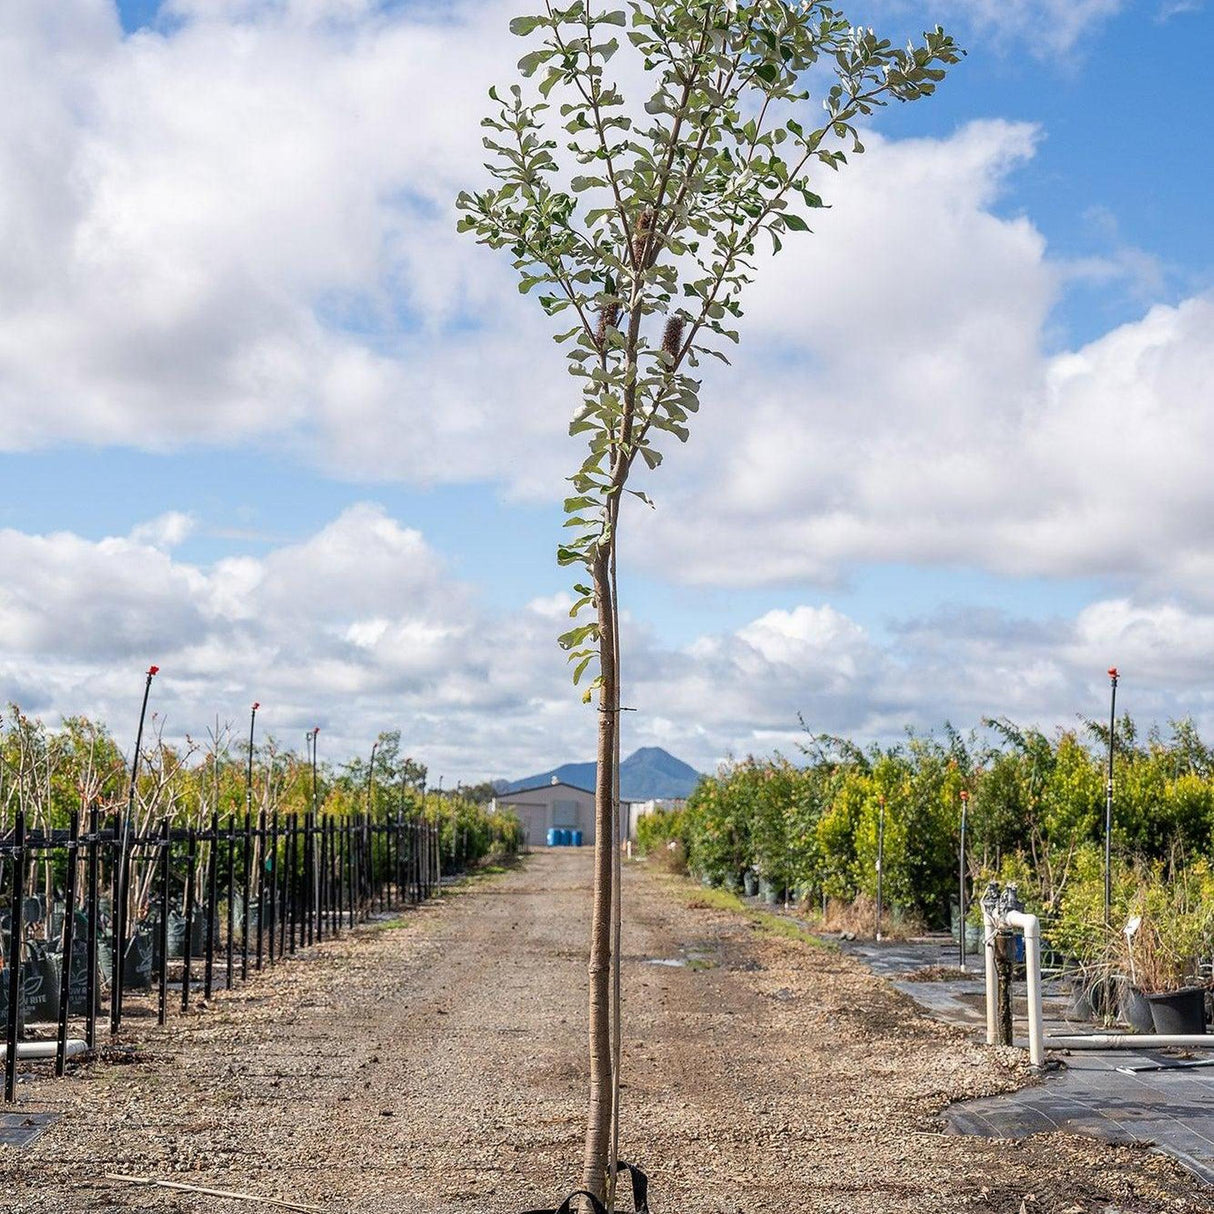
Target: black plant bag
[[138, 964], [640, 1195], [38, 986]]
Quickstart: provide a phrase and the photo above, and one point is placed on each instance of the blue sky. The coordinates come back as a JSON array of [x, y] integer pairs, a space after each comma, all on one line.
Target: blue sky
[[196, 430]]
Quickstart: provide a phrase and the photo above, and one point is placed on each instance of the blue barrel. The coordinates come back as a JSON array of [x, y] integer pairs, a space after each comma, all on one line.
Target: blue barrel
[[554, 837], [577, 838], [566, 838]]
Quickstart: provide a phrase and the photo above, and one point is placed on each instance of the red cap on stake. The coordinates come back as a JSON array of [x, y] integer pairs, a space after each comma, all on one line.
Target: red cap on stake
[[256, 706], [1112, 672], [964, 795], [153, 670]]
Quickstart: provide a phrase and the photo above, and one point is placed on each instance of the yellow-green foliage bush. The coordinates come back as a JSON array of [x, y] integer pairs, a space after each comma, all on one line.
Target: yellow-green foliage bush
[[655, 830], [1036, 815]]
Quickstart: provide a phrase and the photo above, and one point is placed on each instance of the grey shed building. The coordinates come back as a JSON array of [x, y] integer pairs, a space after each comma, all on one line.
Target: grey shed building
[[545, 806]]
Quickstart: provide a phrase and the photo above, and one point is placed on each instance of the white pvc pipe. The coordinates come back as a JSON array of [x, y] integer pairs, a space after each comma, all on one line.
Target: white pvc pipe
[[992, 980], [1131, 1041], [33, 1050], [1031, 927]]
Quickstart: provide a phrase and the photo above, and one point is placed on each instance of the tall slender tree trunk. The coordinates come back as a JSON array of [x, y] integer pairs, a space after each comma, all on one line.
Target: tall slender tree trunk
[[598, 1119]]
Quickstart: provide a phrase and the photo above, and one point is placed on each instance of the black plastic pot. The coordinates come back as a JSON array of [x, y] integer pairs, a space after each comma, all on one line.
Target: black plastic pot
[[1134, 1007], [1176, 1012], [771, 892]]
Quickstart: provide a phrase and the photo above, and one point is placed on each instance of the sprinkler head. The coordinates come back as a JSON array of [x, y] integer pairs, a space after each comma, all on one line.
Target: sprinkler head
[[256, 706], [964, 795], [1113, 673], [153, 670]]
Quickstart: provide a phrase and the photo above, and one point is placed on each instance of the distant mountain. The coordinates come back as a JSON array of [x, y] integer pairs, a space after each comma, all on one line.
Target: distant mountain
[[648, 773]]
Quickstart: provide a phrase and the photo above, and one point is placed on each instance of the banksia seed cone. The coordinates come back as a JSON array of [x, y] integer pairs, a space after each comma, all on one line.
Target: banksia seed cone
[[640, 238], [672, 337], [609, 318]]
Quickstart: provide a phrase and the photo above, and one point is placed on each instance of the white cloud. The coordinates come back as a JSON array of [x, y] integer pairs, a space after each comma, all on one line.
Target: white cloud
[[360, 627], [894, 401], [242, 228], [1048, 29], [167, 531], [238, 229]]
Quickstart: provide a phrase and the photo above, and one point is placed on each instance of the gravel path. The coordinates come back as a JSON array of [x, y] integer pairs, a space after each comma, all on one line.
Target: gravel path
[[435, 1064]]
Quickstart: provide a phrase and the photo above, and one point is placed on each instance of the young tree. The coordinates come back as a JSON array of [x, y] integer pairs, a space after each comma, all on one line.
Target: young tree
[[643, 230]]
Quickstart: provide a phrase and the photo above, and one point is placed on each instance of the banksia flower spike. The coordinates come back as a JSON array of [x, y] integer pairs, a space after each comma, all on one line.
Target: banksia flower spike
[[672, 337]]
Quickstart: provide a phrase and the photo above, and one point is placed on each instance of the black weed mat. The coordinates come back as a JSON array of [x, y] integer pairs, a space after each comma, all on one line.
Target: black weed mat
[[1169, 1106], [18, 1130]]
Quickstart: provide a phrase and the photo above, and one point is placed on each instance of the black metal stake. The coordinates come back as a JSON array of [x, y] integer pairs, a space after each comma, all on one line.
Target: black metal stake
[[334, 876], [188, 951], [261, 885], [282, 891], [231, 917], [309, 857], [352, 891], [119, 867], [339, 835], [124, 880], [322, 908], [212, 900], [246, 871], [16, 931], [162, 1002], [69, 932], [90, 994], [1108, 800], [275, 910], [248, 815], [965, 800], [292, 883]]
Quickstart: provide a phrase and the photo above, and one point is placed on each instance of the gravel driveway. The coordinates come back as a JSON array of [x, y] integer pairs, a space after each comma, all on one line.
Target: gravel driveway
[[435, 1063]]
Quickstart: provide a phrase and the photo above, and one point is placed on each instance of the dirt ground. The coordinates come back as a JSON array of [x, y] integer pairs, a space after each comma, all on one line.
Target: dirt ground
[[436, 1064]]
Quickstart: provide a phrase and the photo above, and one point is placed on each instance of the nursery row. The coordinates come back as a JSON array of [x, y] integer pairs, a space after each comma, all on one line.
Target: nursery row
[[125, 905], [49, 773], [1035, 811]]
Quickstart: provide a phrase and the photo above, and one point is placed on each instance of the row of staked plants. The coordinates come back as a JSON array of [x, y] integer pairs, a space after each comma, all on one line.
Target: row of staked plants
[[809, 831], [51, 772]]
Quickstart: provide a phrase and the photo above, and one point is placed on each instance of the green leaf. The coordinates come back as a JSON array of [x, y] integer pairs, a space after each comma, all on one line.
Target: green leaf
[[531, 61], [522, 26], [575, 636], [615, 18]]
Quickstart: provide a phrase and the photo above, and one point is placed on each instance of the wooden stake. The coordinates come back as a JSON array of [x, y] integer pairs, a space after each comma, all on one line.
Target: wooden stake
[[193, 1188]]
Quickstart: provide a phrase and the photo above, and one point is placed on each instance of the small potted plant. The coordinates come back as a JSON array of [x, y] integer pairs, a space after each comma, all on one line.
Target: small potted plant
[[1173, 930]]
